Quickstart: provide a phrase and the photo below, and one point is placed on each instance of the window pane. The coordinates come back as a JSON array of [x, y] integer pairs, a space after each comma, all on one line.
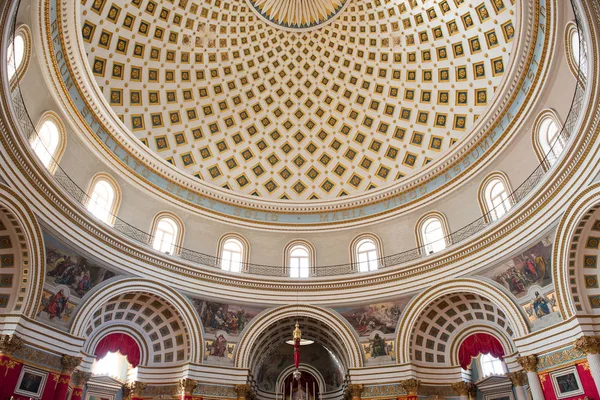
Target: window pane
[[231, 259], [101, 200], [433, 236], [165, 235], [46, 142], [15, 55]]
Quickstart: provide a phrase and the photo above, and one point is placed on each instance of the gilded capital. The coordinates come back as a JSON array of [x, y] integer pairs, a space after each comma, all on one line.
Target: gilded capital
[[80, 378], [187, 386], [69, 363], [243, 391], [518, 378], [134, 389], [588, 344], [411, 385], [528, 363], [463, 388], [355, 390], [10, 344]]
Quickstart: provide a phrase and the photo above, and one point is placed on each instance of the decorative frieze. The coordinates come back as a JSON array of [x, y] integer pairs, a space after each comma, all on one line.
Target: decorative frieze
[[384, 391], [215, 390], [564, 356]]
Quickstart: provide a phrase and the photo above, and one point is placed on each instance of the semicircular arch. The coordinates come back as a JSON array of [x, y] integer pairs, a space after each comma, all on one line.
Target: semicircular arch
[[333, 320], [130, 285], [415, 308]]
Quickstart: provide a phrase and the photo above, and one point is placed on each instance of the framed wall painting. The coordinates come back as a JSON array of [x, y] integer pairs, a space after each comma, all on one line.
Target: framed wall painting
[[566, 383], [31, 382]]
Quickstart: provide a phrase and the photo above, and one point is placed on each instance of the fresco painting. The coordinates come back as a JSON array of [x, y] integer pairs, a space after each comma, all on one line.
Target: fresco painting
[[531, 267], [381, 317], [541, 306], [219, 347], [224, 317], [378, 347], [69, 277]]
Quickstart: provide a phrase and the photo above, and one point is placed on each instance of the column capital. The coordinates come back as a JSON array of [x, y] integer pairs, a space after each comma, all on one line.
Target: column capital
[[187, 386], [243, 390], [411, 385], [69, 363], [355, 390], [10, 344], [134, 389], [80, 378], [463, 388], [528, 363], [588, 344], [518, 378]]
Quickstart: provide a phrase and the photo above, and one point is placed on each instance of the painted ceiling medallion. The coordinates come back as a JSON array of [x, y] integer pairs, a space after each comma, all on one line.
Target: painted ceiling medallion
[[298, 14]]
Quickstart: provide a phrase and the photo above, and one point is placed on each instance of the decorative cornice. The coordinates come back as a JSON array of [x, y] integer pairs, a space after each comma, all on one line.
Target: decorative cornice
[[588, 344], [10, 344], [518, 378], [528, 363]]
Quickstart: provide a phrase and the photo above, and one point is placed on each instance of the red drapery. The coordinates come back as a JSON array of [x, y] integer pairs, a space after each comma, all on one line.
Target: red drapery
[[122, 343], [478, 343]]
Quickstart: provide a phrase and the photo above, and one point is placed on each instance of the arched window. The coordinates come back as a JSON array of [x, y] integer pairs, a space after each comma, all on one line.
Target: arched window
[[432, 232], [167, 233], [366, 252], [17, 55], [233, 252], [491, 365], [299, 259], [104, 198], [299, 262], [576, 52], [49, 142], [232, 255], [494, 196], [548, 141]]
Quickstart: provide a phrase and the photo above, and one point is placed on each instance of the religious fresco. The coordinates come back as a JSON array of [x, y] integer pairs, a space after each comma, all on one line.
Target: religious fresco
[[314, 355], [379, 347], [528, 276], [69, 277], [381, 317], [530, 268], [230, 318], [219, 347]]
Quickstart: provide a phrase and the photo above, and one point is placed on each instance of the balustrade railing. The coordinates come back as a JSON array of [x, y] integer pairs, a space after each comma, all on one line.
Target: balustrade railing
[[21, 115]]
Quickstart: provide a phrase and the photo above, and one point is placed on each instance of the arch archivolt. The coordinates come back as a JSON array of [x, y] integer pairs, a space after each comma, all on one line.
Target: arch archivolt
[[303, 367], [339, 328], [30, 260], [415, 310], [124, 288], [568, 239]]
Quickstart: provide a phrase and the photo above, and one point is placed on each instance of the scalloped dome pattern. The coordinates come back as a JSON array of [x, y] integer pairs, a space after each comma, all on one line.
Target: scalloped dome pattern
[[371, 98]]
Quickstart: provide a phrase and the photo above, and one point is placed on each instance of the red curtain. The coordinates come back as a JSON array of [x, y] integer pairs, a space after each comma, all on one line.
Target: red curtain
[[122, 343], [479, 343]]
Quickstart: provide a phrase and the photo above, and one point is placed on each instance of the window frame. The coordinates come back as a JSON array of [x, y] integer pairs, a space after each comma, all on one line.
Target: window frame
[[419, 232], [311, 256], [484, 195], [542, 148], [116, 200], [24, 32], [180, 227], [51, 116], [355, 254], [573, 61], [245, 256]]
